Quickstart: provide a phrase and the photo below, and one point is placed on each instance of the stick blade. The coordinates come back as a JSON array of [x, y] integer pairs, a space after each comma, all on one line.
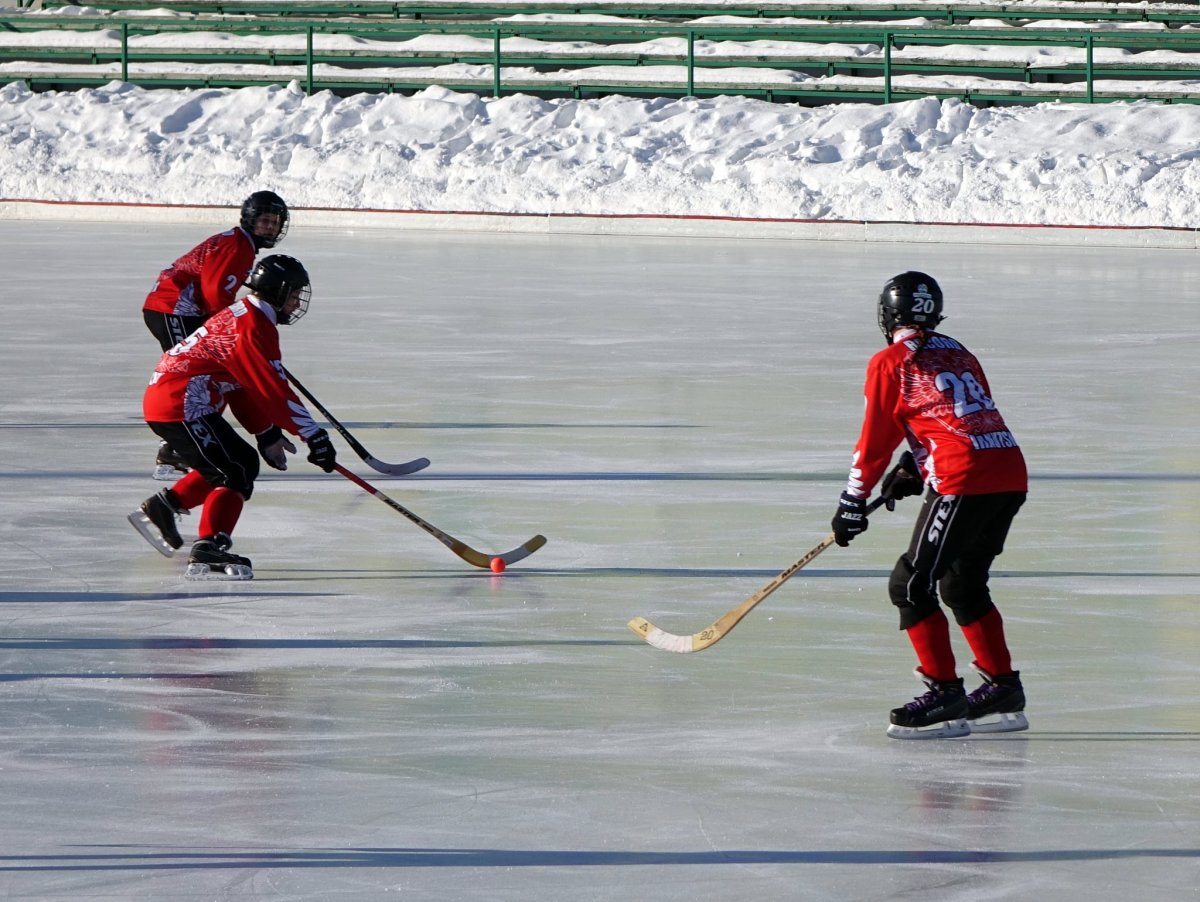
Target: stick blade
[[661, 638], [521, 551], [404, 469], [484, 561]]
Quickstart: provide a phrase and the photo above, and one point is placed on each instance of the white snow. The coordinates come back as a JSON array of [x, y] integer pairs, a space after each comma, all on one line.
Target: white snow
[[1129, 164]]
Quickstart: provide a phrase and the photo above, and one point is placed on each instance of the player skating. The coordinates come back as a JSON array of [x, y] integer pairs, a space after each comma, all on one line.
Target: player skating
[[928, 389], [232, 360], [206, 280]]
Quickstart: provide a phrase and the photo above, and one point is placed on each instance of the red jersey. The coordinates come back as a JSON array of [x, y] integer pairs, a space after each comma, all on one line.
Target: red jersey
[[935, 395], [205, 279], [234, 357]]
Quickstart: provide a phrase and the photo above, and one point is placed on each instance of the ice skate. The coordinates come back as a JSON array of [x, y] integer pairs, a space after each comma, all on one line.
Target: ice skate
[[998, 706], [211, 559], [938, 714], [155, 520], [168, 465]]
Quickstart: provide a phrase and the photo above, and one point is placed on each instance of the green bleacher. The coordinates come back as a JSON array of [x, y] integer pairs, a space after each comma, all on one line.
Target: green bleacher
[[949, 13], [838, 51]]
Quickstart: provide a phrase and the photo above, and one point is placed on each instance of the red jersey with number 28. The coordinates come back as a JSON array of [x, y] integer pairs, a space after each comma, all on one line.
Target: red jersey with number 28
[[205, 279], [232, 359], [931, 390]]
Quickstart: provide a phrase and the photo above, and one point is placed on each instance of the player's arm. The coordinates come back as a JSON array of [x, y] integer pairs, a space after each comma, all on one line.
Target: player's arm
[[879, 436], [269, 406], [295, 418], [881, 431], [261, 371]]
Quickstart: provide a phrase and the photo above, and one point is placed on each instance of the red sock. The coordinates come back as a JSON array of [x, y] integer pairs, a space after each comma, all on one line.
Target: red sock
[[931, 641], [986, 638], [221, 512], [191, 490]]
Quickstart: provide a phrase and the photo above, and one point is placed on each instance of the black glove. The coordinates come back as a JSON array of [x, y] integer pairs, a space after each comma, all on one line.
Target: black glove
[[320, 451], [850, 519], [272, 445], [903, 480]]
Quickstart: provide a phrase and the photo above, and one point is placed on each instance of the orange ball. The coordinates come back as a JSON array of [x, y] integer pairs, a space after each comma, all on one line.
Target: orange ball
[[497, 565]]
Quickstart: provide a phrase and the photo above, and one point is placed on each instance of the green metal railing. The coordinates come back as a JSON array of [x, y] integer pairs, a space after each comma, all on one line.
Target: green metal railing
[[610, 36]]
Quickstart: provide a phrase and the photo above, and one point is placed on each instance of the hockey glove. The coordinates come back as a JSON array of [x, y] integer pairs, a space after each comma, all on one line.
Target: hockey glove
[[850, 519], [321, 452], [274, 447], [903, 480]]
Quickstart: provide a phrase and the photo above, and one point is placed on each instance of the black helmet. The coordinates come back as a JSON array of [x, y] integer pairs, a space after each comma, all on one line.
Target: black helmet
[[909, 299], [274, 279], [256, 205]]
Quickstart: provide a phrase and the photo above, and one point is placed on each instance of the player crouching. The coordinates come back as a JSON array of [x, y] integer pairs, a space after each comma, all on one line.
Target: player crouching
[[233, 361]]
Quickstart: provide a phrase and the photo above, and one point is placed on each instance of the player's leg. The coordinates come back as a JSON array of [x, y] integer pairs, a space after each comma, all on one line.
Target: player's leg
[[223, 467], [156, 518], [998, 705], [913, 588], [230, 465]]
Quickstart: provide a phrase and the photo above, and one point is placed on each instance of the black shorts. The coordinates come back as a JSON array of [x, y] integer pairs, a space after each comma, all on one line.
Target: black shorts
[[170, 329], [212, 446], [953, 544]]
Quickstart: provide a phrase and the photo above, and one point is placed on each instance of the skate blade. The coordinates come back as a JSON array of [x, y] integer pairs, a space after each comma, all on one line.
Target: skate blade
[[143, 525], [1000, 723], [947, 729], [167, 472], [228, 572]]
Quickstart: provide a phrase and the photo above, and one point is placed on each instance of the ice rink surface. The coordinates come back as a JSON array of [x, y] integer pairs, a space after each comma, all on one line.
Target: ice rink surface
[[372, 718]]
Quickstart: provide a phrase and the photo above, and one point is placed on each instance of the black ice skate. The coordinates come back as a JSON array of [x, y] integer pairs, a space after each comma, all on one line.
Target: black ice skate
[[998, 706], [168, 465], [155, 520], [938, 714], [211, 559]]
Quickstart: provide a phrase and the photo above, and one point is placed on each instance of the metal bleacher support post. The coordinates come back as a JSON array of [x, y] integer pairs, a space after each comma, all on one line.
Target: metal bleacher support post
[[1091, 77], [308, 58], [691, 63], [496, 63], [125, 51], [887, 67]]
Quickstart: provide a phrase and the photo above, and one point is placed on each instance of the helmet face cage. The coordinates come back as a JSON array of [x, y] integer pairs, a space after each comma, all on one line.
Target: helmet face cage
[[286, 319], [259, 203], [909, 299], [274, 280]]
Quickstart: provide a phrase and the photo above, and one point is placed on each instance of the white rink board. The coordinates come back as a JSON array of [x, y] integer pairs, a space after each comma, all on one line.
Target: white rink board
[[629, 226]]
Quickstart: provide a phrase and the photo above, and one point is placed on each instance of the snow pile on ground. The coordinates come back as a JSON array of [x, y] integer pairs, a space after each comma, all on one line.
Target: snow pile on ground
[[919, 161]]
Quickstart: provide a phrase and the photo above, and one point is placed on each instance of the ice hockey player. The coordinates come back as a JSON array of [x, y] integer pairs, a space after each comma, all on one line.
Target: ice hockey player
[[232, 360], [205, 280], [928, 389]]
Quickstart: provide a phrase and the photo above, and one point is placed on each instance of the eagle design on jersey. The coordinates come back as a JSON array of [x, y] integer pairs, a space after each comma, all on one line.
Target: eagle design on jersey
[[198, 398], [949, 388], [219, 346], [186, 304]]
